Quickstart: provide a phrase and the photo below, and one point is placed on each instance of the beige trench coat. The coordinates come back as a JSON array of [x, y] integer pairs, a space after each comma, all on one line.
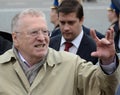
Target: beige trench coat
[[62, 74]]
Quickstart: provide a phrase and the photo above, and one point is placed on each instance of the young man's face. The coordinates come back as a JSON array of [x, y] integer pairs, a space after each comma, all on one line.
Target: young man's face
[[70, 25]]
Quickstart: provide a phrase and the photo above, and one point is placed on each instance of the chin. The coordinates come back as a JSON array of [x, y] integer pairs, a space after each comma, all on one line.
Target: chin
[[42, 53]]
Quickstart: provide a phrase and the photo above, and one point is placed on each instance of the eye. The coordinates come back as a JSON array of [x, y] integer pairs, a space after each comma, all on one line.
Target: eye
[[62, 22], [71, 22], [34, 32], [46, 32]]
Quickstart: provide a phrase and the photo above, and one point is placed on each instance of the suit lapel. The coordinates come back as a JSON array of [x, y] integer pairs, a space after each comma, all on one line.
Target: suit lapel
[[82, 46]]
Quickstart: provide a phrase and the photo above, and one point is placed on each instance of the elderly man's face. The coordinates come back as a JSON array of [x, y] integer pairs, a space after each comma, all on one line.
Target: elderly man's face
[[32, 41]]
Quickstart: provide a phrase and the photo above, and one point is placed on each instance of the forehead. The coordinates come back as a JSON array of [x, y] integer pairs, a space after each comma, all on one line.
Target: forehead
[[111, 11], [63, 16], [29, 18], [26, 17], [32, 21], [54, 11]]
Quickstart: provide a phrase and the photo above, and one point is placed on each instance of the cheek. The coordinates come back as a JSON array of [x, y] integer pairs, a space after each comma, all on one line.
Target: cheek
[[26, 41], [77, 28], [18, 41], [52, 15], [61, 27], [47, 40], [108, 14]]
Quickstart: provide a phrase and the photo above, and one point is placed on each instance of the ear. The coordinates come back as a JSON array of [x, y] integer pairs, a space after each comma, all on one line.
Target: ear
[[15, 38], [81, 21]]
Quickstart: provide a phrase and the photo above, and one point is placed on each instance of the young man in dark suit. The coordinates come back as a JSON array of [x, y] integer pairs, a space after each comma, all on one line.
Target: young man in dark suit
[[71, 19]]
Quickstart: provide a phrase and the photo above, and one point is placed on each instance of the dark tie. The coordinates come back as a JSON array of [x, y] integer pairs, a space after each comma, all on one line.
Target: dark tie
[[67, 46]]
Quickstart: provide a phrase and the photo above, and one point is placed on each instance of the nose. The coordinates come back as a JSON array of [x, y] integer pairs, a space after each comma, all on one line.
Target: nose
[[41, 36], [66, 27]]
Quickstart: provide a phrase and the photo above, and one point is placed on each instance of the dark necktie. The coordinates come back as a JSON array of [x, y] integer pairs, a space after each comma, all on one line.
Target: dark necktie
[[67, 46]]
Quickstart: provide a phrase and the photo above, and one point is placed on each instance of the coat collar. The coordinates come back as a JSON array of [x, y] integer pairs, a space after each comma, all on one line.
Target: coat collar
[[7, 56], [52, 58]]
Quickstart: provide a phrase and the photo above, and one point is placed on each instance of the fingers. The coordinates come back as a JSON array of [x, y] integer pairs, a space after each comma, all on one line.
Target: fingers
[[109, 38], [110, 34], [105, 41], [95, 54], [93, 34]]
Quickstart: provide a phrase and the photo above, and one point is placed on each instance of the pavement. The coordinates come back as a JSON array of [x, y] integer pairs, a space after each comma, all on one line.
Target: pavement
[[95, 12]]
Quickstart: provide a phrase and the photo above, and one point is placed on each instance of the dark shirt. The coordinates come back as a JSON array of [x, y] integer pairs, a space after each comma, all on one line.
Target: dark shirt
[[4, 45], [116, 37]]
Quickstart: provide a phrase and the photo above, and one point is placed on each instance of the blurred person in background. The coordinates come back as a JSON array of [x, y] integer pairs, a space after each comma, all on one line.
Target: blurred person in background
[[113, 17], [54, 19]]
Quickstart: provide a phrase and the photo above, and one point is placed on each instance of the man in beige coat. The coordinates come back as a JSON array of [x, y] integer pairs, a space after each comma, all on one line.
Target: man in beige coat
[[32, 68]]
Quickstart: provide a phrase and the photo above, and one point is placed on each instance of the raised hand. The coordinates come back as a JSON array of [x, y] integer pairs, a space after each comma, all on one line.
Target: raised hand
[[105, 47]]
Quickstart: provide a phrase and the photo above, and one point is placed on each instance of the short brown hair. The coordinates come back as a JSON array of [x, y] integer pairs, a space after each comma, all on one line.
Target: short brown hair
[[69, 6]]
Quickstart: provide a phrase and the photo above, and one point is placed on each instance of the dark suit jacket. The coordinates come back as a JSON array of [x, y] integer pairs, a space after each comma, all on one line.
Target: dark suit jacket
[[87, 31], [56, 31], [4, 45], [85, 48]]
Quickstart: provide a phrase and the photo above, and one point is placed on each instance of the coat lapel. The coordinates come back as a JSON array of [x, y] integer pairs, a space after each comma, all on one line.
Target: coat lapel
[[21, 74]]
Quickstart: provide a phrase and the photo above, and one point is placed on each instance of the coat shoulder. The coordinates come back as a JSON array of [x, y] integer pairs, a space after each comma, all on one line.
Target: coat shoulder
[[6, 57]]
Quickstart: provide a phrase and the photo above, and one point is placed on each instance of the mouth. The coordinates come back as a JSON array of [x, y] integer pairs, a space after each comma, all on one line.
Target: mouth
[[40, 46], [67, 33]]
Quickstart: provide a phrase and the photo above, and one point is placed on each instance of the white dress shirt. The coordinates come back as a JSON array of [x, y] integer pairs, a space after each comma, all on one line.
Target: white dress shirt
[[76, 42]]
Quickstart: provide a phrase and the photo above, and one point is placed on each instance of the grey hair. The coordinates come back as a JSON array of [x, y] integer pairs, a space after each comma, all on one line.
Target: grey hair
[[30, 12]]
